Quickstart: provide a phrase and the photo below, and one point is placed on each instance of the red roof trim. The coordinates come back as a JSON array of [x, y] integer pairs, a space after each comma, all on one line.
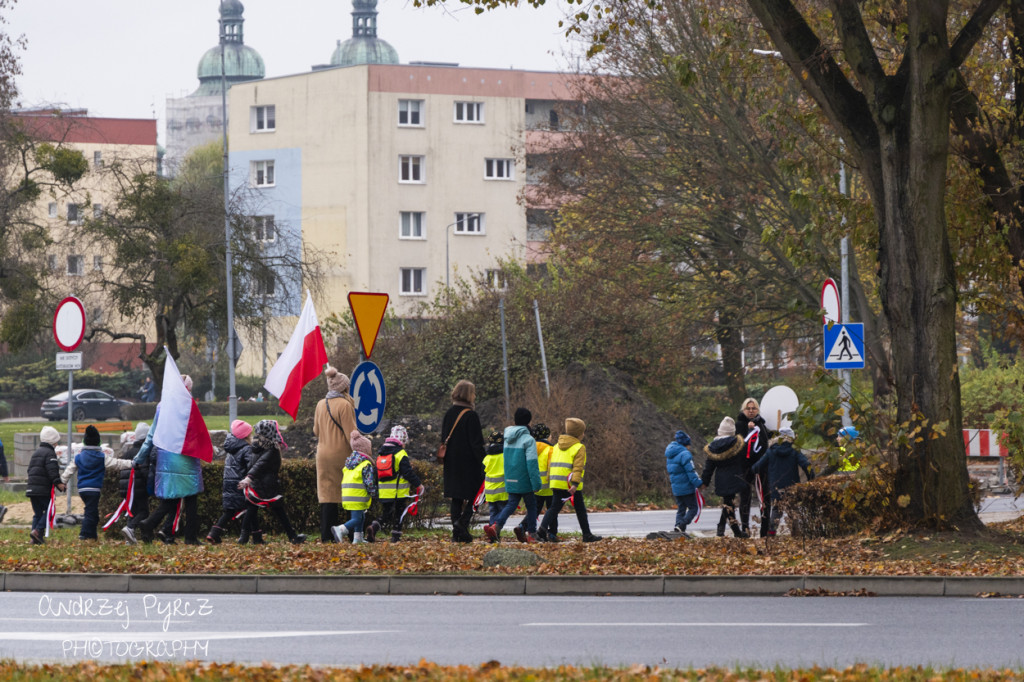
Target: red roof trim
[[90, 130]]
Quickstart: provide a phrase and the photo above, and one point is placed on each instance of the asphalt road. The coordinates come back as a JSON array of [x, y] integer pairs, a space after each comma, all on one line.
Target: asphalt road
[[639, 524], [533, 631]]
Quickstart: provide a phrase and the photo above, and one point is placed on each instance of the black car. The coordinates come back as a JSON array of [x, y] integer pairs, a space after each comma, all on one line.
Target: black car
[[88, 404]]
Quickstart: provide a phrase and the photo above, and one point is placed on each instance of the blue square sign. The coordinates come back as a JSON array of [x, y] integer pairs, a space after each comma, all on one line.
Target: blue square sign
[[844, 346]]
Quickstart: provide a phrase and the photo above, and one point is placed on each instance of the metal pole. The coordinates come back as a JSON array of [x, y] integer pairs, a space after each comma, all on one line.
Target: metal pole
[[447, 267], [844, 297], [70, 454], [232, 398], [543, 357], [504, 358]]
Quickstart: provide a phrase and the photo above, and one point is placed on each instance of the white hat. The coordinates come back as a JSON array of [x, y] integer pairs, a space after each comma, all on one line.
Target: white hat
[[49, 435]]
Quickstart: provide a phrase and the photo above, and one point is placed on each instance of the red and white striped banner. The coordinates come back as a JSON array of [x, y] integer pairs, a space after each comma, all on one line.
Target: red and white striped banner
[[984, 443]]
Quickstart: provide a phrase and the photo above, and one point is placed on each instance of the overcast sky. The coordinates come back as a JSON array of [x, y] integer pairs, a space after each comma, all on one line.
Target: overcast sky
[[123, 58]]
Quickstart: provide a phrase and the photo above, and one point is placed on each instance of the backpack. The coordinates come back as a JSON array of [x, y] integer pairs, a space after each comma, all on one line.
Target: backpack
[[386, 466]]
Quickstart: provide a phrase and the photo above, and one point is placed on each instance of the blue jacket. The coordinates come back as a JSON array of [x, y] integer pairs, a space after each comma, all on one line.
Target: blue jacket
[[782, 465], [681, 473], [522, 474], [90, 463], [174, 475]]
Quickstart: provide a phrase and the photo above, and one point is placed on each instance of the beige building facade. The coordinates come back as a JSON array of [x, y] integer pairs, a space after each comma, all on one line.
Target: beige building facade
[[405, 177]]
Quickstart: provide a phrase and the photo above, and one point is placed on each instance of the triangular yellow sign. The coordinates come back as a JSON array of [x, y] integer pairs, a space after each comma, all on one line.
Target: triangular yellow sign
[[368, 311]]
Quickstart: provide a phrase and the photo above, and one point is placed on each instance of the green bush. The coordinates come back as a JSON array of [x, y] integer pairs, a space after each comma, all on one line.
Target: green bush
[[146, 411]]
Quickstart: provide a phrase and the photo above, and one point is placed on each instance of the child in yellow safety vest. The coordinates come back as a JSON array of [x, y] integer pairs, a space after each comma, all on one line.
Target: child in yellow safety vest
[[397, 484], [358, 488], [494, 474], [542, 434], [567, 467]]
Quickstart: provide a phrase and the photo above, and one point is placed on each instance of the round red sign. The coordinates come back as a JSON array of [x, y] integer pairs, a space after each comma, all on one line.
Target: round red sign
[[69, 324]]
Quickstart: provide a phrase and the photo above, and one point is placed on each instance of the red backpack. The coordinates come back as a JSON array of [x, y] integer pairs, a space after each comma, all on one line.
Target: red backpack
[[386, 466]]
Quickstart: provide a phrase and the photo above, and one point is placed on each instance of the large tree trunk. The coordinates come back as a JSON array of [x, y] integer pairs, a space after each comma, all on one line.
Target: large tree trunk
[[897, 128], [731, 340]]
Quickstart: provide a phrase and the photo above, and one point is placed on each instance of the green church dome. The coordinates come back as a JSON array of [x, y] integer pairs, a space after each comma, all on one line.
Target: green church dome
[[364, 47], [241, 62], [364, 51]]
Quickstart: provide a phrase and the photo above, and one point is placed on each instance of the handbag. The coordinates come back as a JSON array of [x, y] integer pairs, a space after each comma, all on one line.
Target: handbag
[[442, 449]]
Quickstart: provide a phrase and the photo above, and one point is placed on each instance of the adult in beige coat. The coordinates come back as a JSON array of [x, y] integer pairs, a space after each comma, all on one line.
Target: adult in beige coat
[[334, 419]]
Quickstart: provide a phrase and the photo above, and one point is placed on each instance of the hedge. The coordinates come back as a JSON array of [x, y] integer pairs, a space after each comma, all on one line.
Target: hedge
[[298, 481], [146, 411]]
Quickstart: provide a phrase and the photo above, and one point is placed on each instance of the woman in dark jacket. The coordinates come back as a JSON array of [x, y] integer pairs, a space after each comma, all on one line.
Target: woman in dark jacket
[[464, 458], [725, 466], [261, 486], [43, 476], [237, 460], [749, 419]]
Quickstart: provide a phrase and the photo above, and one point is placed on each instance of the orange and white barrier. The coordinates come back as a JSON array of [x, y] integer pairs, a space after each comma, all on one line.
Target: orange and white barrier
[[984, 443]]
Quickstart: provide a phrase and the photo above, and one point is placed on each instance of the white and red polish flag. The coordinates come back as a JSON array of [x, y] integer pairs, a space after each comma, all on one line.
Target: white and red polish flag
[[180, 427], [302, 361]]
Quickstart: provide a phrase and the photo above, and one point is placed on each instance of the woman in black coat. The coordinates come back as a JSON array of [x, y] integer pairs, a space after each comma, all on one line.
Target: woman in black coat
[[464, 458], [261, 485], [43, 477], [749, 418], [725, 466]]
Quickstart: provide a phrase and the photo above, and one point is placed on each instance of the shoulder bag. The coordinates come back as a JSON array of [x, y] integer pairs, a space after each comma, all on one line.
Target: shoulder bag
[[444, 446]]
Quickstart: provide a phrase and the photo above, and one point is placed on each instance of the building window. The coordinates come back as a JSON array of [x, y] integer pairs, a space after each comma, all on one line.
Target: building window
[[499, 169], [411, 225], [410, 168], [469, 223], [51, 262], [264, 229], [97, 262], [53, 209], [76, 265], [469, 112], [263, 119], [97, 210], [496, 280], [266, 285], [74, 215], [263, 173], [97, 159], [412, 281], [410, 112]]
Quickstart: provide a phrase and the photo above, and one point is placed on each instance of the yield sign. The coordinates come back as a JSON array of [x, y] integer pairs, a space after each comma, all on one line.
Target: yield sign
[[368, 312]]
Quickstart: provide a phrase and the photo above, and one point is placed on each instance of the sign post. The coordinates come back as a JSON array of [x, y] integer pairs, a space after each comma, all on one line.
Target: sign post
[[68, 332], [367, 387]]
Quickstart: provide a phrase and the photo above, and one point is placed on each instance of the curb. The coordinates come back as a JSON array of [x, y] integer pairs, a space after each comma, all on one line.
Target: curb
[[579, 585]]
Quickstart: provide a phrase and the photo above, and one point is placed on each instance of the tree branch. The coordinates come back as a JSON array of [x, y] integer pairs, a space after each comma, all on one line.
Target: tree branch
[[972, 31]]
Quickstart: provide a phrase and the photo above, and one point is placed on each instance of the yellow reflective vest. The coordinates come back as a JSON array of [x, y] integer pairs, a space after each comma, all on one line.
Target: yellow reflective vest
[[561, 467], [848, 461], [494, 478], [544, 464], [354, 495], [390, 488]]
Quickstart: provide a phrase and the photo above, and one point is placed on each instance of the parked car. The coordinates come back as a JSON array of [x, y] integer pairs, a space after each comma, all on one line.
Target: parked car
[[87, 403]]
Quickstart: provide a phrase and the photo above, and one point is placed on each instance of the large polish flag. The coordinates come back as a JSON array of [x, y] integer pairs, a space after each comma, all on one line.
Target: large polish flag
[[302, 361], [180, 428]]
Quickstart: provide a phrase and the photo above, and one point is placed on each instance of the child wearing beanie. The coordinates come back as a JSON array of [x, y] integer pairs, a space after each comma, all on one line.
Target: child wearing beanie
[[398, 484], [725, 466], [684, 479], [568, 465], [43, 478], [358, 488], [237, 460], [90, 464], [261, 485]]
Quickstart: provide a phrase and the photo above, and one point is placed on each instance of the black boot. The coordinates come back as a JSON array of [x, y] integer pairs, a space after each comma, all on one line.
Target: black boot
[[214, 535], [244, 537], [737, 531], [257, 537], [720, 532], [328, 518]]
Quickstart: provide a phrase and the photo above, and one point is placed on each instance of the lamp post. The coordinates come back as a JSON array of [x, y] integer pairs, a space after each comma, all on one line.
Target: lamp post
[[447, 234], [232, 398]]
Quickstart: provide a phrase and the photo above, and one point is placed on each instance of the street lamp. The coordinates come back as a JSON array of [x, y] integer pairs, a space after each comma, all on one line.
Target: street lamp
[[466, 217]]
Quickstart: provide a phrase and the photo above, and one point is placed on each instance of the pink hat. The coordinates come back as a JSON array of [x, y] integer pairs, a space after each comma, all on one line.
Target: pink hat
[[240, 429], [360, 443]]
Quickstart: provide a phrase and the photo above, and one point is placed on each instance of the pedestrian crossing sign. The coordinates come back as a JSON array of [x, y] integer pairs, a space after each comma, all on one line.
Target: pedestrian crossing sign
[[844, 346]]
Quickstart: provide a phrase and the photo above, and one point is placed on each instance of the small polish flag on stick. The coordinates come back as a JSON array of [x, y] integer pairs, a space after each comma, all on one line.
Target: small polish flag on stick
[[302, 361], [180, 427]]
